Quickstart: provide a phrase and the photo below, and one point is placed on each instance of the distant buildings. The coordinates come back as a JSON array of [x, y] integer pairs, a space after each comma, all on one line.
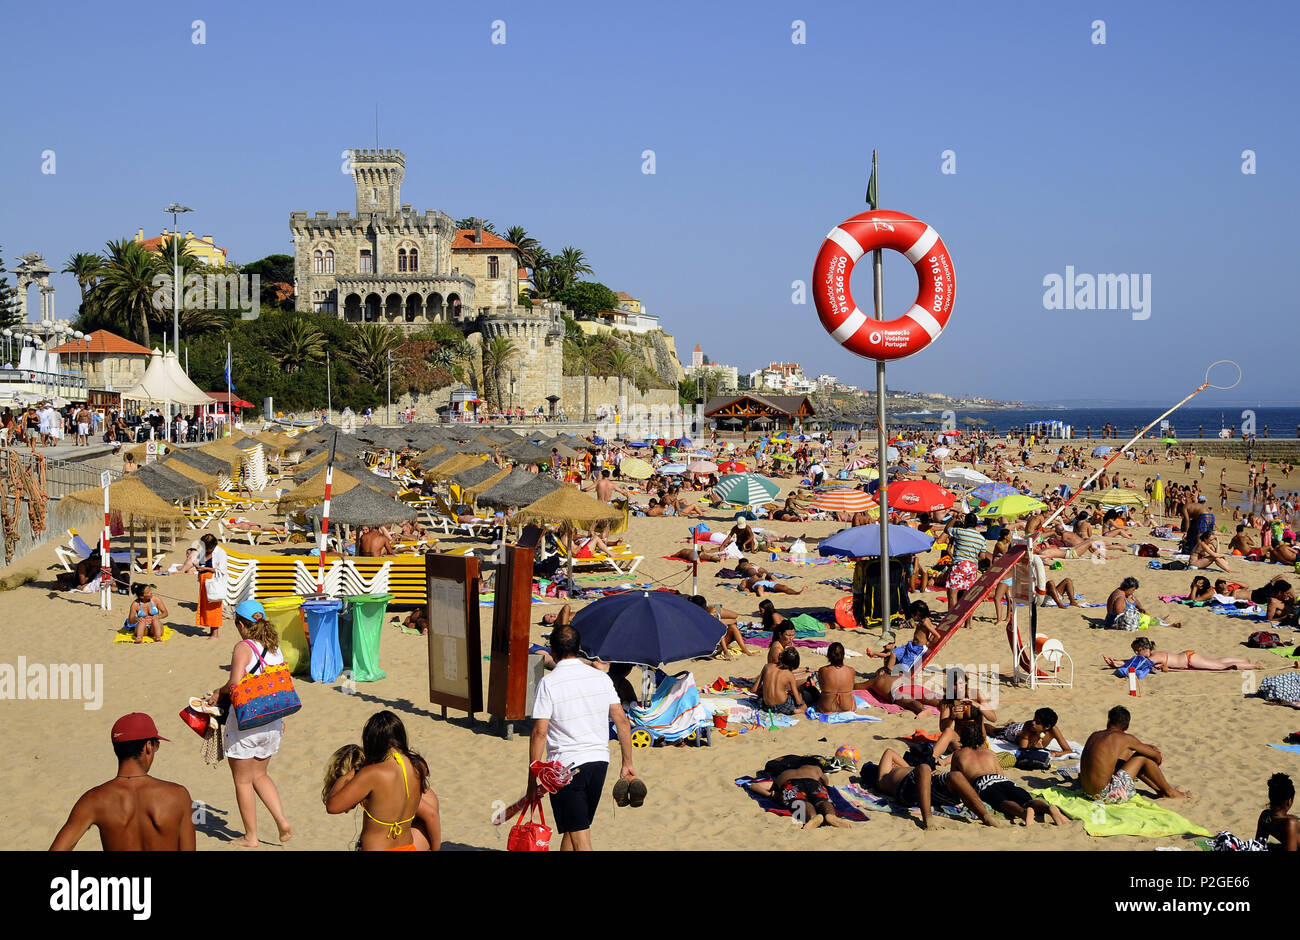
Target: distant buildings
[[204, 249], [629, 315]]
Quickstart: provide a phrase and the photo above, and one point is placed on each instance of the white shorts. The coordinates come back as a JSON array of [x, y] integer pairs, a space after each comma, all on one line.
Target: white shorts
[[255, 742], [83, 429]]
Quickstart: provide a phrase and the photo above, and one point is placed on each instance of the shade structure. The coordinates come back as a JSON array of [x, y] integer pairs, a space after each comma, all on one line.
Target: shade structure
[[635, 468], [133, 500], [564, 449], [919, 496], [363, 506], [569, 505], [527, 452], [190, 472], [702, 466], [867, 473], [312, 490], [222, 450], [864, 542], [1009, 507], [453, 465], [963, 475], [471, 476], [509, 494], [165, 382], [845, 500], [940, 452], [1116, 496], [649, 628], [733, 466], [501, 475], [672, 469], [169, 484], [858, 463], [1169, 440], [988, 492], [746, 489], [200, 461]]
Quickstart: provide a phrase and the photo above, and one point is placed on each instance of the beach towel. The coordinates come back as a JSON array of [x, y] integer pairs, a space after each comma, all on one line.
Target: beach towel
[[868, 801], [127, 635], [889, 707], [838, 717], [1293, 748], [1138, 817], [1004, 747], [674, 711], [843, 808]]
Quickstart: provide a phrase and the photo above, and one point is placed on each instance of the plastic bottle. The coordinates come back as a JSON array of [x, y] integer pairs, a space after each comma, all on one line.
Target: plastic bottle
[[1132, 680]]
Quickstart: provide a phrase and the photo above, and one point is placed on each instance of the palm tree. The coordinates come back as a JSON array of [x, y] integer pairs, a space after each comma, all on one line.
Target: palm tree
[[573, 263], [624, 365], [474, 222], [528, 246], [126, 288], [581, 354], [86, 268], [299, 343], [368, 351], [498, 352], [546, 276]]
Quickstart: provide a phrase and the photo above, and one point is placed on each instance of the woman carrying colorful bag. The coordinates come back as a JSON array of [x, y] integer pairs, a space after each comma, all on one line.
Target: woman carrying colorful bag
[[261, 693]]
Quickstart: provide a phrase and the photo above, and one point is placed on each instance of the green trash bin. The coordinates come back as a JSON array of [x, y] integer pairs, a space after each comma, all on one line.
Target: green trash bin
[[368, 612], [285, 613]]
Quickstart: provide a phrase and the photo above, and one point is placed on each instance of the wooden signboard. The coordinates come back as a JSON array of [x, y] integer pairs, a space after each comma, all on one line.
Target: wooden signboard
[[511, 620], [455, 660]]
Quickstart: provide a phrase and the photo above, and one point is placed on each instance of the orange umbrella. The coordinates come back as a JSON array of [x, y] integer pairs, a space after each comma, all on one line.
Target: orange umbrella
[[844, 500]]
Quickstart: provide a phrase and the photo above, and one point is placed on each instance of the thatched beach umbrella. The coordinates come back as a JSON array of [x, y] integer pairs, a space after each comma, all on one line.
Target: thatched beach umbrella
[[170, 485], [502, 474], [222, 450], [525, 452], [363, 506], [569, 507], [181, 468], [133, 500], [312, 490], [201, 461], [453, 465], [472, 476], [519, 489]]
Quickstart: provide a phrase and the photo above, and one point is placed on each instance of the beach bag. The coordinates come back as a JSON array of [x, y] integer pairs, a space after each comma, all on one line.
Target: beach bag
[[198, 721], [261, 699], [1147, 550], [1140, 665], [529, 836], [1264, 640]]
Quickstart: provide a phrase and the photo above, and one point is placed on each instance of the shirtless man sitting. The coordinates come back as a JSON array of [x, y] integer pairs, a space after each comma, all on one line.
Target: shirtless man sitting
[[743, 535], [1113, 760], [917, 786], [978, 764], [1283, 552], [374, 543], [134, 812], [802, 790], [777, 687]]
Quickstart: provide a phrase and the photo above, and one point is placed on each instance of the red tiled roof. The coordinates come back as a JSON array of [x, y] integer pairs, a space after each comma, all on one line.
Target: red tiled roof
[[465, 239], [102, 341]]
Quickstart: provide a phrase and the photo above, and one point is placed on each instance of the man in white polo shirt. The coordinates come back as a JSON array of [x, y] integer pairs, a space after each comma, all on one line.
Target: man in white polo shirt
[[572, 709]]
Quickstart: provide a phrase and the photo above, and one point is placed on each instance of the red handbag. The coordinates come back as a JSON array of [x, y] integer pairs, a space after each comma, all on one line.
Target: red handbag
[[197, 721], [529, 836]]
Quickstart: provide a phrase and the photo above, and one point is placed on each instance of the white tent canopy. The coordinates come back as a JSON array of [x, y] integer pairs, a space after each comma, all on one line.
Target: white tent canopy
[[165, 381]]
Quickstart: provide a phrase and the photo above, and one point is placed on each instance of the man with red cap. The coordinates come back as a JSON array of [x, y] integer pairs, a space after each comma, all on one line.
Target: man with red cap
[[134, 811]]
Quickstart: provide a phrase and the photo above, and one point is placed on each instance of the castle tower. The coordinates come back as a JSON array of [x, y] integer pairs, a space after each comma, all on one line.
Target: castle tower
[[378, 177]]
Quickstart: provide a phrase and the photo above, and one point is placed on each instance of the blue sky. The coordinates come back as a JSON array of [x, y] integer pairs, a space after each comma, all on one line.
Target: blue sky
[[1115, 158]]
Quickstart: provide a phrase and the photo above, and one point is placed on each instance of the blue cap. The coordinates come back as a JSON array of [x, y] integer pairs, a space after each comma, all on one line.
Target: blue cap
[[250, 610]]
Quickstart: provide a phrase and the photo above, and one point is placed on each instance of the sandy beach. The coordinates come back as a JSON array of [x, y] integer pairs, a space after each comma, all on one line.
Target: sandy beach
[[1214, 739]]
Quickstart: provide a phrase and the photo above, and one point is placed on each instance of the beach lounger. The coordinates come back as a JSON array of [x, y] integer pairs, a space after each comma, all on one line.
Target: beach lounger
[[77, 550], [622, 560]]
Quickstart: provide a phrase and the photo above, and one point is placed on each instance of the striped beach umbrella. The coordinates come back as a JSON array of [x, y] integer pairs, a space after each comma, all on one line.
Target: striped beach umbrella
[[746, 489], [859, 463], [845, 500], [635, 468]]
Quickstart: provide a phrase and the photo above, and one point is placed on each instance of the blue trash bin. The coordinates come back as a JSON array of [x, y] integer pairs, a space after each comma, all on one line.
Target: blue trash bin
[[323, 633]]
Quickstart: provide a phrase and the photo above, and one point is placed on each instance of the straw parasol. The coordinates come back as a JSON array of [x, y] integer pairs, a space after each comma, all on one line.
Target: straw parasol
[[472, 476], [201, 461], [453, 465], [502, 475], [515, 492], [138, 450], [312, 490], [189, 471], [133, 500], [525, 452], [569, 506], [222, 450], [170, 485], [363, 506], [1114, 496]]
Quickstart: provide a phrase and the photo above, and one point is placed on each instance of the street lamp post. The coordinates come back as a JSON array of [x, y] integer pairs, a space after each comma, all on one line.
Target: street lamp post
[[176, 210]]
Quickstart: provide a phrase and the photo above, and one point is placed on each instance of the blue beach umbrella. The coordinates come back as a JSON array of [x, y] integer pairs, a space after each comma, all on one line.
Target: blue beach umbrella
[[988, 492], [1101, 451], [864, 542], [672, 469], [650, 628]]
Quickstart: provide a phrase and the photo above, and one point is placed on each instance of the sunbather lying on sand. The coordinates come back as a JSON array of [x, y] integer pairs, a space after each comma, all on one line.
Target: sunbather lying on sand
[[920, 786], [1186, 660], [802, 790]]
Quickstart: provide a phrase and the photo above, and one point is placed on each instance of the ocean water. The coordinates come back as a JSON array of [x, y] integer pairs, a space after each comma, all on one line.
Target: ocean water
[[1188, 421]]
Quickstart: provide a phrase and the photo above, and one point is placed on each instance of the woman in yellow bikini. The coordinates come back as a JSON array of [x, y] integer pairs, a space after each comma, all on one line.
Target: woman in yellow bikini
[[390, 785]]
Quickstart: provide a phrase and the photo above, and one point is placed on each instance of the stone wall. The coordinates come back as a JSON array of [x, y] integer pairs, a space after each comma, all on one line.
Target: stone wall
[[604, 391]]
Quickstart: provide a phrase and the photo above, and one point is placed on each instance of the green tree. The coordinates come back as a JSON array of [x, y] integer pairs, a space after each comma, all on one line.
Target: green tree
[[580, 358], [573, 263], [368, 351], [624, 365], [298, 343], [474, 222], [528, 246], [498, 353], [272, 270], [9, 306], [85, 267], [126, 289], [587, 298]]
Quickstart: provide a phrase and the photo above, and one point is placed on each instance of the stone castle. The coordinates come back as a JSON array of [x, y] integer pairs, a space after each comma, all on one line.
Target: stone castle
[[388, 264]]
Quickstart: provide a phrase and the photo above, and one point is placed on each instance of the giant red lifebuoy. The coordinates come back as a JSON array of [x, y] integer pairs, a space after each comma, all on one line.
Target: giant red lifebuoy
[[858, 332]]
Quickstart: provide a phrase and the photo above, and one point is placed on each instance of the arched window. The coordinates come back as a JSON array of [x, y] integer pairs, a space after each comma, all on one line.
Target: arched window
[[401, 260], [329, 261], [317, 262], [494, 266], [367, 262], [413, 260]]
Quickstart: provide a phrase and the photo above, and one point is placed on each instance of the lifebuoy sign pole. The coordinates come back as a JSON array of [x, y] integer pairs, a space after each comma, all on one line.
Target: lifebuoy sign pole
[[106, 584], [877, 338]]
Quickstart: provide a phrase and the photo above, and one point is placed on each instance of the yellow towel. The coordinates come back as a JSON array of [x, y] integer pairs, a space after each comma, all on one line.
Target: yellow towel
[[127, 635]]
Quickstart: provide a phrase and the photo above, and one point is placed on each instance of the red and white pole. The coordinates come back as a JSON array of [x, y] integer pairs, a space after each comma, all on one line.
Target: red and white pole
[[106, 568], [325, 518]]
